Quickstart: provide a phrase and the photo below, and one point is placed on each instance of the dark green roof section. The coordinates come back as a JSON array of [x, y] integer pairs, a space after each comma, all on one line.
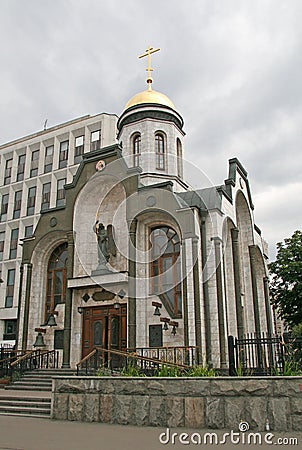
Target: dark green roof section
[[208, 198]]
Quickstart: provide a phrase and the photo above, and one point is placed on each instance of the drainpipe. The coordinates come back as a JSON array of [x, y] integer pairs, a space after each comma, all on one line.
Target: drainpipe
[[185, 293]]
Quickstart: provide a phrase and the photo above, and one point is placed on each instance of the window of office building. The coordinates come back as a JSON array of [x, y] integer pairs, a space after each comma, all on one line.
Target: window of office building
[[4, 207], [61, 192], [63, 155], [10, 329], [95, 140], [9, 298], [2, 240], [31, 200], [21, 167], [48, 158], [78, 149], [14, 243], [45, 196], [17, 204], [8, 171], [28, 231], [34, 163]]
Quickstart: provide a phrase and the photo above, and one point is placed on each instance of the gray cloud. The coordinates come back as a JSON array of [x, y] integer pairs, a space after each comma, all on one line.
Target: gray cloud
[[232, 68]]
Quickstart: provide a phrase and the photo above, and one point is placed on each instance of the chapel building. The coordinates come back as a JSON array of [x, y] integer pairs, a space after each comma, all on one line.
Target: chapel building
[[101, 234]]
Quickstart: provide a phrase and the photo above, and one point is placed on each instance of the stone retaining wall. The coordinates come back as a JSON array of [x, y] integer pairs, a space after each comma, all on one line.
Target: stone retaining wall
[[181, 402]]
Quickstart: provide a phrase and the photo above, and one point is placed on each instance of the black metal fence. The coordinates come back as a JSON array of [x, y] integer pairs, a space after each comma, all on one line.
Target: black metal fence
[[265, 355]]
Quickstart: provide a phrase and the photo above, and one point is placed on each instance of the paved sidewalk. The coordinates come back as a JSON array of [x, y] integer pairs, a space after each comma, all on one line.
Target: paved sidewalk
[[20, 433]]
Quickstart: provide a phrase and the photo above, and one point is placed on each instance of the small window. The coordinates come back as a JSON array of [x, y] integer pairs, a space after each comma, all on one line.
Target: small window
[[160, 151], [95, 140], [136, 149], [17, 204], [14, 243], [10, 288], [78, 149], [45, 196], [48, 158], [8, 171], [4, 207], [10, 329], [61, 192], [21, 167], [179, 158], [63, 156], [31, 201], [2, 240], [34, 163], [28, 232]]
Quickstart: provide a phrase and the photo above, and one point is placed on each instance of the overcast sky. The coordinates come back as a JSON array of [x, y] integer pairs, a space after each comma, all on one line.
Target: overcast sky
[[233, 69]]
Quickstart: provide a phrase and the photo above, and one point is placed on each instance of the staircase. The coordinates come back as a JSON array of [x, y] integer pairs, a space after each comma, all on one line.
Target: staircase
[[25, 405], [30, 396], [38, 380]]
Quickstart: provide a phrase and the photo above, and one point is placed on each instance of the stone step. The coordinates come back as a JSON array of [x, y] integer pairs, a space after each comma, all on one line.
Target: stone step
[[30, 387], [24, 404], [24, 409], [24, 401], [33, 416]]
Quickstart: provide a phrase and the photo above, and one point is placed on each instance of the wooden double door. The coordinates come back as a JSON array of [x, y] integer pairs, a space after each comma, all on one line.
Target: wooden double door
[[104, 326]]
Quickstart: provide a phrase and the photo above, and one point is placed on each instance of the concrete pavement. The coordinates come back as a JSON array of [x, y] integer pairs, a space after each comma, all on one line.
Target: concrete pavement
[[21, 433]]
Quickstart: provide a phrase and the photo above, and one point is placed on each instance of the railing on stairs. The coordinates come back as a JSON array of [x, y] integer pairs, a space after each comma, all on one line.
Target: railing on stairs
[[189, 356], [100, 358], [35, 359]]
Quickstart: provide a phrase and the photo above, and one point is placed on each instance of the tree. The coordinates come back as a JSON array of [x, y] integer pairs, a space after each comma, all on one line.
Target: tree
[[286, 279]]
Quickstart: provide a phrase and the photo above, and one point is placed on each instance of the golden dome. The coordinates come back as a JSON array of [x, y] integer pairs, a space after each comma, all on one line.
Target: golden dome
[[149, 96]]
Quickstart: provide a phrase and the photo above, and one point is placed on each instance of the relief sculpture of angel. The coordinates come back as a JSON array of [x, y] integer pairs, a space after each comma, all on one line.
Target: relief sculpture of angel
[[106, 244]]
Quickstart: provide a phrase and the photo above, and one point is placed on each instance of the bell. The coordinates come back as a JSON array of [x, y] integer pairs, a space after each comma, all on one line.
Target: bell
[[39, 341], [51, 321], [166, 326], [157, 311], [173, 330]]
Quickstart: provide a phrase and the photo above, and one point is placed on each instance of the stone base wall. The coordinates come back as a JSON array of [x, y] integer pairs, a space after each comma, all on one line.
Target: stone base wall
[[217, 403]]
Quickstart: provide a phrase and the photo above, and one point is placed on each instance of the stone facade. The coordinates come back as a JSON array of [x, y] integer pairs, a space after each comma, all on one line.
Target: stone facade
[[217, 403]]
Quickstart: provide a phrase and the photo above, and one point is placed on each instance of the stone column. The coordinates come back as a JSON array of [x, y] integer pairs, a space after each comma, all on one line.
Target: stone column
[[268, 310], [185, 292], [253, 265], [220, 307], [205, 289], [29, 268], [132, 286], [68, 303], [237, 281], [19, 306], [197, 313]]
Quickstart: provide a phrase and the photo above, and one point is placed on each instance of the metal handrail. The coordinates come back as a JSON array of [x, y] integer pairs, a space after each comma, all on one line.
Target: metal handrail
[[21, 358], [144, 358]]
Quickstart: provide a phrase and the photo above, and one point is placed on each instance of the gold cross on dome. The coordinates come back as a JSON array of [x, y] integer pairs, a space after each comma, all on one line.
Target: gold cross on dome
[[148, 53]]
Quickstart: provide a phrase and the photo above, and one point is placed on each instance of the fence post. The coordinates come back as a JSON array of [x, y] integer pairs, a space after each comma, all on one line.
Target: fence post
[[231, 348]]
